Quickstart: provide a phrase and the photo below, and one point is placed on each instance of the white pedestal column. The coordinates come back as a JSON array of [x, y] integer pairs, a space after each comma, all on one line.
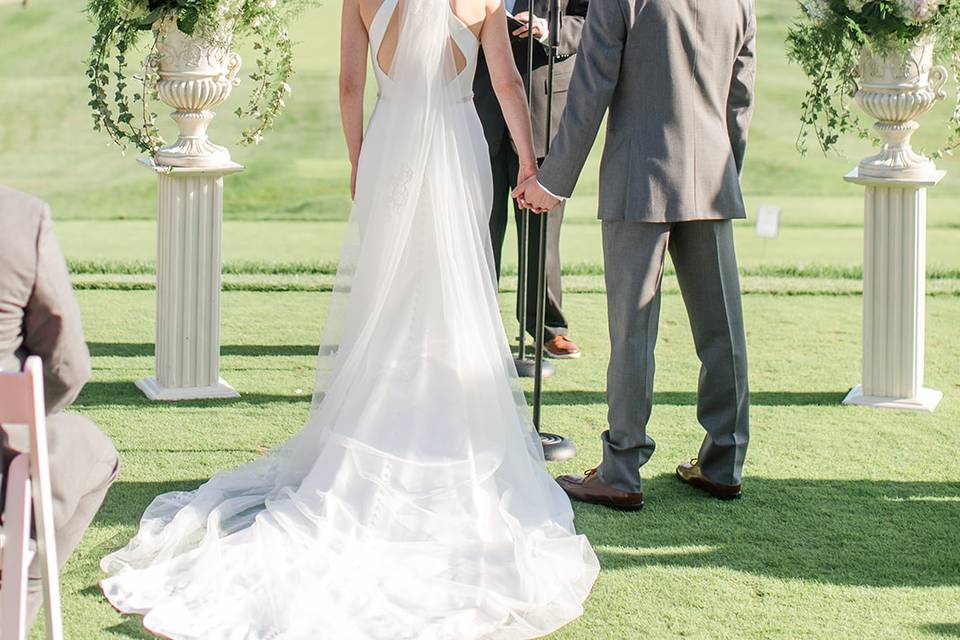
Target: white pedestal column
[[894, 287], [189, 217]]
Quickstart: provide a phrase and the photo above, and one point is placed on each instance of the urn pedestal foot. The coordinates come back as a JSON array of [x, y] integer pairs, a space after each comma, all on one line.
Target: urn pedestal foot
[[926, 400], [154, 391], [189, 219], [894, 291]]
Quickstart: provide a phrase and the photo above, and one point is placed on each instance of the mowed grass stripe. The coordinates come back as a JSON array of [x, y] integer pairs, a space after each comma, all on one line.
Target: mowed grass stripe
[[271, 283], [329, 268]]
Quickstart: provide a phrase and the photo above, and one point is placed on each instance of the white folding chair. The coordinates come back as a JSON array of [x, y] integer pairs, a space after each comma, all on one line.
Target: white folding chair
[[22, 403]]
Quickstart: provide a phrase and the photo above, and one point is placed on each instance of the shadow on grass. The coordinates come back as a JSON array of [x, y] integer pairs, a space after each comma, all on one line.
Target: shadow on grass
[[127, 500], [131, 627], [141, 349], [124, 393], [689, 398], [848, 532], [949, 629]]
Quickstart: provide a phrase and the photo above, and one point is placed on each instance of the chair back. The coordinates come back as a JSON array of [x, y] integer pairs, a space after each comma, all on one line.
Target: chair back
[[20, 394], [22, 403]]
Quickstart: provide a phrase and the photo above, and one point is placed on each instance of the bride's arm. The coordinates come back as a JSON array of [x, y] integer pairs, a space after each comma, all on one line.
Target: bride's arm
[[508, 85], [353, 78]]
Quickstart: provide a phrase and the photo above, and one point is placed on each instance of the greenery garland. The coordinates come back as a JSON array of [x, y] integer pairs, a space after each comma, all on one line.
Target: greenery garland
[[827, 41], [121, 23]]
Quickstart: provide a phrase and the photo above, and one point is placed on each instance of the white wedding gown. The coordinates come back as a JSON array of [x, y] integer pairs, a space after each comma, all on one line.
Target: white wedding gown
[[415, 503]]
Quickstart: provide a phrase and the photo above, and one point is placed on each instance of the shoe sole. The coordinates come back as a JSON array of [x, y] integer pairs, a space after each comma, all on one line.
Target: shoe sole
[[566, 356], [700, 487], [610, 505]]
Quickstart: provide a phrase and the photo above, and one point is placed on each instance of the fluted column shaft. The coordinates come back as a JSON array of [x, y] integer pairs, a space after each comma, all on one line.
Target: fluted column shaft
[[189, 218], [894, 289]]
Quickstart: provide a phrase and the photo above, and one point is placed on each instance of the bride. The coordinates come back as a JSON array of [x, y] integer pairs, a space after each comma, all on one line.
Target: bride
[[414, 504]]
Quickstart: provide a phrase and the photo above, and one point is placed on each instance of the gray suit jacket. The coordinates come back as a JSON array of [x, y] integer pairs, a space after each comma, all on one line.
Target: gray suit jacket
[[38, 311], [678, 78]]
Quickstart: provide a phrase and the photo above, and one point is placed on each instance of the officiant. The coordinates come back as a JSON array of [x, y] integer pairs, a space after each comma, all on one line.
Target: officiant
[[505, 164]]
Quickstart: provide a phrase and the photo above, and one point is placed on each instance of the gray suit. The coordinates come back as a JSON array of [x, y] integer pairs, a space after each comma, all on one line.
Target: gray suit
[[39, 316], [678, 79]]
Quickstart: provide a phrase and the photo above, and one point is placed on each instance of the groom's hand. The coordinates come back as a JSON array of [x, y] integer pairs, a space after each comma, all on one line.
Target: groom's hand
[[533, 196]]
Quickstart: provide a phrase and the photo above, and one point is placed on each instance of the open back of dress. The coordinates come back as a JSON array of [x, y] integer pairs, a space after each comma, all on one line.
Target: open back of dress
[[414, 504]]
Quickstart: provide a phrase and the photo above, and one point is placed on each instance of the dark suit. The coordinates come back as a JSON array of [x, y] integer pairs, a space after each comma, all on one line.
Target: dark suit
[[39, 316], [503, 157]]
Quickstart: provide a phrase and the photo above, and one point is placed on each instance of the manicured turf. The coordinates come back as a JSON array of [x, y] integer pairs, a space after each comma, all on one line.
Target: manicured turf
[[850, 521], [847, 529]]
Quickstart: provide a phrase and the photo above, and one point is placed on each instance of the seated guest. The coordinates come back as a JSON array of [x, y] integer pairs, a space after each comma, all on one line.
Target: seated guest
[[39, 316]]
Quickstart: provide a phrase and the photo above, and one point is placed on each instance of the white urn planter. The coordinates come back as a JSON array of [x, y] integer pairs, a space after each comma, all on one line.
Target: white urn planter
[[896, 88], [196, 75]]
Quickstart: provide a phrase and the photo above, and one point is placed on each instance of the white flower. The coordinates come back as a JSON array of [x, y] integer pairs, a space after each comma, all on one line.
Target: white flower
[[918, 11], [816, 10]]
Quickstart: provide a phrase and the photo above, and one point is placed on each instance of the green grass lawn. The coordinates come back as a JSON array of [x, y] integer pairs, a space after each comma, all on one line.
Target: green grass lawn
[[850, 521], [848, 526]]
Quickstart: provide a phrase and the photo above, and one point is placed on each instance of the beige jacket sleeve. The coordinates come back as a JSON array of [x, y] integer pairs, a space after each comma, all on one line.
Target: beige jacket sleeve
[[52, 328]]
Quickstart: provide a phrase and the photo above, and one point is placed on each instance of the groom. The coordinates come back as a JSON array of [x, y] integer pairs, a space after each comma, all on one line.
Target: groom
[[678, 77]]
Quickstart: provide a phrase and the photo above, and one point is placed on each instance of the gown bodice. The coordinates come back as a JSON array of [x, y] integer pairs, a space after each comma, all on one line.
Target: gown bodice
[[463, 39]]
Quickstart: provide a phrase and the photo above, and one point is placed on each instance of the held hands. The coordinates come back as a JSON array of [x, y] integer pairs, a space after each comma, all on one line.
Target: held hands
[[532, 196], [540, 29]]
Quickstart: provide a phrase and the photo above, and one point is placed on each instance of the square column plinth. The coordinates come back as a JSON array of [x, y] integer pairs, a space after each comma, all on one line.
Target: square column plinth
[[189, 219], [894, 289]]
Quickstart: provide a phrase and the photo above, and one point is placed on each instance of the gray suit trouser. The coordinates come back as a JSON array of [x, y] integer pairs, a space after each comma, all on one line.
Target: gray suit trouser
[[706, 265], [83, 465]]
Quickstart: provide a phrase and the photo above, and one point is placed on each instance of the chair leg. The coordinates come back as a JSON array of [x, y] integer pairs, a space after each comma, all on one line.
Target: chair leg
[[16, 550], [47, 549]]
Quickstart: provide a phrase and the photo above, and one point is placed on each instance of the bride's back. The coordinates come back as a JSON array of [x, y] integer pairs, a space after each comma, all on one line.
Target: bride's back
[[472, 13]]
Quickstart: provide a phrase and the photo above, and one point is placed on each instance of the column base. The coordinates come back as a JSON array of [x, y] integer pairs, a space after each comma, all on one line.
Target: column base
[[152, 389], [927, 400]]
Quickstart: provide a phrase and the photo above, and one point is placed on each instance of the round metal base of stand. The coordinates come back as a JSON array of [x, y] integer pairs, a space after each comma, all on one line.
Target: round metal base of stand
[[527, 368], [557, 447]]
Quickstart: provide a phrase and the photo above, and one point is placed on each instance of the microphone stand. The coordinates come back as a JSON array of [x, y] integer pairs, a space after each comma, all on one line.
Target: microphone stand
[[525, 367], [555, 447]]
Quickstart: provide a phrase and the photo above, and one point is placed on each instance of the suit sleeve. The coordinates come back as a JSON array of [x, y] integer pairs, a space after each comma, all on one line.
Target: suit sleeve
[[52, 324], [740, 101], [571, 27], [594, 80]]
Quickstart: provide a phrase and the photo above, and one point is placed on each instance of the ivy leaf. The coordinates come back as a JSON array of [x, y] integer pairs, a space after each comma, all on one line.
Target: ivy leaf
[[187, 21]]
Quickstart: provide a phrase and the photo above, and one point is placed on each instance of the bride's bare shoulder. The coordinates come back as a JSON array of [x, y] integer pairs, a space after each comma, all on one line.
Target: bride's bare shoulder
[[368, 9], [473, 12]]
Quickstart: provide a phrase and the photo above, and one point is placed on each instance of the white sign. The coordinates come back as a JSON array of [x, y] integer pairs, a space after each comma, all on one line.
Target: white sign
[[768, 221]]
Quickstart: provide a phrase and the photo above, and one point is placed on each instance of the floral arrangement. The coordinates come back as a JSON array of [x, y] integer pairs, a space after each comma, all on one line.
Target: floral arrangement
[[119, 27], [827, 41]]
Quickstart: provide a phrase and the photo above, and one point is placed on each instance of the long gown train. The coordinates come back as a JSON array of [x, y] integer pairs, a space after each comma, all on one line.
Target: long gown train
[[414, 504]]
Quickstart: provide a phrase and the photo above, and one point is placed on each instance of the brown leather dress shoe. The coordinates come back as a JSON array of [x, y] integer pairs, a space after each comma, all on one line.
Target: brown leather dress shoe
[[691, 474], [591, 489], [561, 348]]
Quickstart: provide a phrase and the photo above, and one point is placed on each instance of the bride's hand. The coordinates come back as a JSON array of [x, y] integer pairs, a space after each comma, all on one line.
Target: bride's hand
[[527, 171], [353, 180]]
